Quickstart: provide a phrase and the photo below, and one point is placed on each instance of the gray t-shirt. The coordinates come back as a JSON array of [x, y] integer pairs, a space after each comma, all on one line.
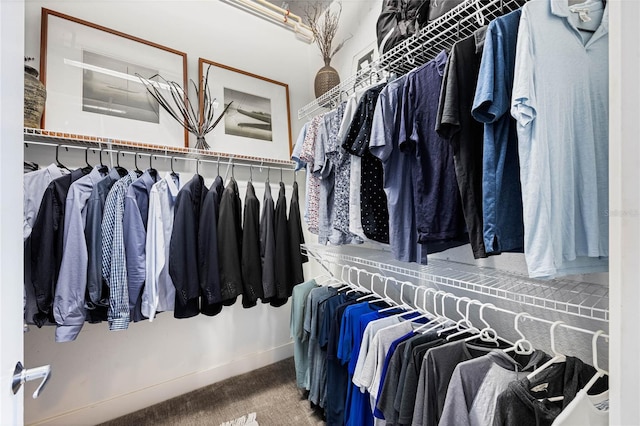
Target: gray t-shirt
[[437, 368], [476, 384]]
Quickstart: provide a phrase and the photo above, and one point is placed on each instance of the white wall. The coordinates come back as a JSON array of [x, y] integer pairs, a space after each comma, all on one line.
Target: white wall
[[103, 374]]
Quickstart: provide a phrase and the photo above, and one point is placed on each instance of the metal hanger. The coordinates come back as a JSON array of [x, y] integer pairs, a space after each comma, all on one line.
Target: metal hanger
[[135, 163], [58, 163]]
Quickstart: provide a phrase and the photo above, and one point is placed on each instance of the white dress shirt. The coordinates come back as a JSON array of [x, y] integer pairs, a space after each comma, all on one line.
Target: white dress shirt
[[159, 291]]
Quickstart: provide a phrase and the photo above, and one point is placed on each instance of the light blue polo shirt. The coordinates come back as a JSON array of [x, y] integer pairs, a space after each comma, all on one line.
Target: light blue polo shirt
[[561, 103]]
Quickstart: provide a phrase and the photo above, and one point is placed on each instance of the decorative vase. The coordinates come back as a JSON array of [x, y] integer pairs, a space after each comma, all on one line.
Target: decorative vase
[[326, 79], [35, 96]]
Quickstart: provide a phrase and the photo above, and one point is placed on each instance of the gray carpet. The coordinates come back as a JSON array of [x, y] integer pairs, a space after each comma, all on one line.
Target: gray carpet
[[270, 392]]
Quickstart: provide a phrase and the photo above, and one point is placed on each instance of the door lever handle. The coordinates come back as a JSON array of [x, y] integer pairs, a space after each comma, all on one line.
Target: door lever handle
[[21, 375]]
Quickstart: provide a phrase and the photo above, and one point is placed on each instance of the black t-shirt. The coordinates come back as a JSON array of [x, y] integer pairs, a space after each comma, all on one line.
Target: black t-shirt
[[455, 124], [373, 200]]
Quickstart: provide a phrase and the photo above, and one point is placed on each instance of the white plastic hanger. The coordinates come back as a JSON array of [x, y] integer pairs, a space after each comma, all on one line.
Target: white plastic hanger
[[439, 319], [600, 372], [557, 356], [373, 293], [463, 325], [522, 346], [487, 334]]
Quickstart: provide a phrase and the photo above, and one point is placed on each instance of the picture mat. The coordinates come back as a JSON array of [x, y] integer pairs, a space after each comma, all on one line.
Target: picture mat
[[66, 41], [112, 95], [279, 148], [239, 122]]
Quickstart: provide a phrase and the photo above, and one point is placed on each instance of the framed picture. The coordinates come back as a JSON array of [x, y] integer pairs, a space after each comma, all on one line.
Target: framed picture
[[364, 58], [91, 76], [257, 122]]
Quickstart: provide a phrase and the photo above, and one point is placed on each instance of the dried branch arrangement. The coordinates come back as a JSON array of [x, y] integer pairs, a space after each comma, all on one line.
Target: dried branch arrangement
[[324, 26], [179, 106]]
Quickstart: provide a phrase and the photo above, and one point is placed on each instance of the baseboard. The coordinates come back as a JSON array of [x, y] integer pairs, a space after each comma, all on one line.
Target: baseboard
[[137, 400]]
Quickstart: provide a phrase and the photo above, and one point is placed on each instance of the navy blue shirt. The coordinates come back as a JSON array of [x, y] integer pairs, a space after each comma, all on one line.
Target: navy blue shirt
[[438, 209], [503, 229]]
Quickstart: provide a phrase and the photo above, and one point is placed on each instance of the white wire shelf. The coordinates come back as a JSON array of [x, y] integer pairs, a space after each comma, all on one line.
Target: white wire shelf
[[581, 299], [440, 34], [72, 139]]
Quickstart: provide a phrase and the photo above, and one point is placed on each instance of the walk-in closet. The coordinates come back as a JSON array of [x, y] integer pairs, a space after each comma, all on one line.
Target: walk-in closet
[[438, 227]]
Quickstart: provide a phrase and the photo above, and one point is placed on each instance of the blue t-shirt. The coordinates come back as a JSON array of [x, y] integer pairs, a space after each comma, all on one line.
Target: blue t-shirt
[[438, 208], [503, 229], [385, 130]]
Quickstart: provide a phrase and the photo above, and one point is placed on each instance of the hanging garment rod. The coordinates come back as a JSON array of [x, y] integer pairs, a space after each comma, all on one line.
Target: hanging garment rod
[[439, 34], [230, 163], [434, 296], [70, 139]]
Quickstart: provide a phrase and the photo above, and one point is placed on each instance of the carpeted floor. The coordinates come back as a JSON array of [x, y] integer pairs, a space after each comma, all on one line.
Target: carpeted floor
[[270, 392]]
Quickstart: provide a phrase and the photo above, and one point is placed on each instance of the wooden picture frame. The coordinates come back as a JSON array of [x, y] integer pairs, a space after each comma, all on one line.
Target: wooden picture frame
[[89, 72], [258, 123]]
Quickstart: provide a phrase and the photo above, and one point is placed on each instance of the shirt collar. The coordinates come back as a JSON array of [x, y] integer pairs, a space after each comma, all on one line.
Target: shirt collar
[[171, 183], [96, 175], [441, 62], [561, 8], [114, 174], [55, 172]]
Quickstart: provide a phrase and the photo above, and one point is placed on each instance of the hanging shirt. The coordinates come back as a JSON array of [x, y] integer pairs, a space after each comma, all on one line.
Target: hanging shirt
[[184, 252], [296, 326], [325, 170], [297, 148], [398, 186], [503, 229], [525, 402], [136, 213], [208, 237], [97, 290], [230, 239], [68, 305], [585, 410], [159, 292], [114, 263], [268, 245], [307, 155], [296, 239], [251, 262], [281, 232], [476, 384], [436, 370], [436, 196], [456, 125], [560, 100], [47, 244], [373, 201], [35, 184]]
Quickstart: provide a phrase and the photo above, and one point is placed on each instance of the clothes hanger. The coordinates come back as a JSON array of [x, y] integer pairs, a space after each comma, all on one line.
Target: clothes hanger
[[58, 163], [522, 346], [393, 304], [439, 320], [465, 322], [557, 356], [173, 172], [135, 164], [600, 372], [487, 334], [377, 298], [198, 166], [250, 173], [152, 171]]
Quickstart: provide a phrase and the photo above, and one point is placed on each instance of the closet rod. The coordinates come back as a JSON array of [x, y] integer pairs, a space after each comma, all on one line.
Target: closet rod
[[40, 135], [231, 161], [435, 293]]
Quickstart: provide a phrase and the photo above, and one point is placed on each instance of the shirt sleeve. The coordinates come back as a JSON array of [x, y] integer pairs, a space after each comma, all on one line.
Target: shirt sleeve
[[155, 258], [523, 104], [183, 252], [93, 235], [380, 143], [489, 102], [42, 249], [405, 141], [448, 117], [68, 306]]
